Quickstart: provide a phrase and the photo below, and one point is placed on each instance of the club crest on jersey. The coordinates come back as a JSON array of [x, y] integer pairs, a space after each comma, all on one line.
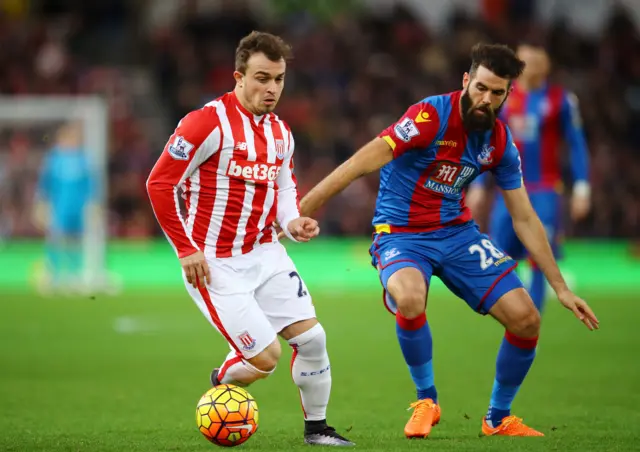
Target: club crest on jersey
[[485, 157], [180, 148], [280, 149], [246, 340]]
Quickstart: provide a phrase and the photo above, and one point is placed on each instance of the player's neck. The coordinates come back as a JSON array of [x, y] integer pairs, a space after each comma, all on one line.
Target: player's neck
[[243, 103]]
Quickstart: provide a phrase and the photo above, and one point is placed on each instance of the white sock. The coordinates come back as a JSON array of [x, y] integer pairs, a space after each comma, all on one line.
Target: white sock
[[237, 371], [311, 371]]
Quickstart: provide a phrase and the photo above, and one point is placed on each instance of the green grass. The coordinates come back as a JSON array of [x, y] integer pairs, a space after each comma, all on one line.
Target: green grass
[[125, 373]]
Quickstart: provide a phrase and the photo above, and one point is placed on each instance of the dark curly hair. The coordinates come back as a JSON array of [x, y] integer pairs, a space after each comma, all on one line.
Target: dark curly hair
[[274, 48], [498, 58]]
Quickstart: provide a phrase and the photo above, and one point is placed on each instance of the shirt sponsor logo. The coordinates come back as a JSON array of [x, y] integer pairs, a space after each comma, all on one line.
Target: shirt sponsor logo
[[449, 178], [256, 172]]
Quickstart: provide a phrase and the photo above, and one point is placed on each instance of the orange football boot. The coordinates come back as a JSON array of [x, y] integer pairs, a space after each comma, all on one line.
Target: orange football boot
[[510, 426], [426, 414]]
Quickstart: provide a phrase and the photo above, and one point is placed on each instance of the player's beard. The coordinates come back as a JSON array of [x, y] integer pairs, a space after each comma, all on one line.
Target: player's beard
[[477, 123]]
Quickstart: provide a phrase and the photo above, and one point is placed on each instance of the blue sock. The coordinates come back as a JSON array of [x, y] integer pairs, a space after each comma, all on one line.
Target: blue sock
[[414, 337], [538, 287], [514, 361]]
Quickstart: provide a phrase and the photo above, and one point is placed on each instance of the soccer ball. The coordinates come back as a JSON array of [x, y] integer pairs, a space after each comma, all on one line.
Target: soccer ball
[[227, 415]]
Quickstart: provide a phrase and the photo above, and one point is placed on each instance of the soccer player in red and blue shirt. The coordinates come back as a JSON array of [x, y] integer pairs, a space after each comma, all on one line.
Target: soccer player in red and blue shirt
[[423, 228], [541, 116]]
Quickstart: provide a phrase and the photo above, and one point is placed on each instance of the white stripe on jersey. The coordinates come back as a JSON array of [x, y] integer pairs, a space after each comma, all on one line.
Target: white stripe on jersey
[[250, 189], [194, 191], [222, 183], [285, 136], [289, 146], [271, 158], [209, 146]]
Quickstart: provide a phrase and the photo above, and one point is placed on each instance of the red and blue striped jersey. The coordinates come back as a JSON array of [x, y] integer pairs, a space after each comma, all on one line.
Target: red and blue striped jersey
[[434, 160], [542, 121]]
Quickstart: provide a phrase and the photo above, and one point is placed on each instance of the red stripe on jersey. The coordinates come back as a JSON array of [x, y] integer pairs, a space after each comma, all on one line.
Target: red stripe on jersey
[[260, 194], [206, 199], [237, 188], [517, 107], [215, 318], [267, 237], [426, 205], [550, 138]]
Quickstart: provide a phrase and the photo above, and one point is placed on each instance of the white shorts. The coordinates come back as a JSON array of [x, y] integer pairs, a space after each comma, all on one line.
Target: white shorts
[[252, 297]]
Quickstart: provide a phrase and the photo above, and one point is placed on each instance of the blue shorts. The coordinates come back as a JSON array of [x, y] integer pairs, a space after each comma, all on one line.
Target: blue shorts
[[467, 262], [547, 205]]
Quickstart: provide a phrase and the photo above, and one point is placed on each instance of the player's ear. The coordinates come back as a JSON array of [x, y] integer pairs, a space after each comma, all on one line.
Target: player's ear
[[465, 80], [238, 76]]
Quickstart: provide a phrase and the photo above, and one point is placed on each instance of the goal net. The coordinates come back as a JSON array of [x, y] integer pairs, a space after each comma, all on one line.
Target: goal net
[[53, 189]]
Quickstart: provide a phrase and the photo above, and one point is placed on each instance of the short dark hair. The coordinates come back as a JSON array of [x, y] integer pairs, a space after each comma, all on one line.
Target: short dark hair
[[272, 46], [498, 58]]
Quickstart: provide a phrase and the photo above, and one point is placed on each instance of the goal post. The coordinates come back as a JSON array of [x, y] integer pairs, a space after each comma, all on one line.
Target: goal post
[[25, 112]]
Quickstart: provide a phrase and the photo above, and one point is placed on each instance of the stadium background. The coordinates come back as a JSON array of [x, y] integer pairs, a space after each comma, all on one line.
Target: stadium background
[[123, 371]]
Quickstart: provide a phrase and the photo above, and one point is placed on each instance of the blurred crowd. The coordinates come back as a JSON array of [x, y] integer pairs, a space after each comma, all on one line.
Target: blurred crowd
[[352, 75]]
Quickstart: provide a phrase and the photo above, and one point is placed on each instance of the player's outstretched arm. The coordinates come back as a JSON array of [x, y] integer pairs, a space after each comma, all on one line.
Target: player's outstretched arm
[[371, 157], [531, 232]]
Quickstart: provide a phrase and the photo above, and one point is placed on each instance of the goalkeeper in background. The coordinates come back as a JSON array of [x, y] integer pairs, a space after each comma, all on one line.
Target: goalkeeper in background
[[65, 190]]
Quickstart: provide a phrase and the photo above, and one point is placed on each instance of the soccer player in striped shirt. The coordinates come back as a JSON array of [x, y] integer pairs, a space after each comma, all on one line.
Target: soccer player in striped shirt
[[423, 228], [232, 163], [542, 116]]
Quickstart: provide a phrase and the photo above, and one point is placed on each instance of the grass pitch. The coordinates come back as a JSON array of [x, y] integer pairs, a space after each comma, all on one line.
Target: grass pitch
[[125, 373]]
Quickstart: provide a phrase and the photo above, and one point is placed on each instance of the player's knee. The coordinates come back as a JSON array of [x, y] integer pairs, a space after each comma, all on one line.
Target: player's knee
[[411, 304], [267, 360], [312, 343], [527, 323], [409, 291], [411, 301]]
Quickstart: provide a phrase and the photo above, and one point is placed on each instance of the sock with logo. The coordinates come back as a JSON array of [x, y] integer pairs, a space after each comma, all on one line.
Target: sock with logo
[[515, 357], [311, 372], [415, 341]]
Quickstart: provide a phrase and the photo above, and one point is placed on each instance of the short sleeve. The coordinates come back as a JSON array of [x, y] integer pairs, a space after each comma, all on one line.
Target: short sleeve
[[416, 129], [508, 172]]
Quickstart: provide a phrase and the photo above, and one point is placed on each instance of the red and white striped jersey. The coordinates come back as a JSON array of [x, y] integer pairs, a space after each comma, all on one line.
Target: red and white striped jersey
[[235, 172]]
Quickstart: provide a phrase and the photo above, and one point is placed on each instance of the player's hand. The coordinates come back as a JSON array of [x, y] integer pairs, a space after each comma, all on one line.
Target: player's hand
[[580, 308], [580, 206], [196, 269], [303, 229]]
